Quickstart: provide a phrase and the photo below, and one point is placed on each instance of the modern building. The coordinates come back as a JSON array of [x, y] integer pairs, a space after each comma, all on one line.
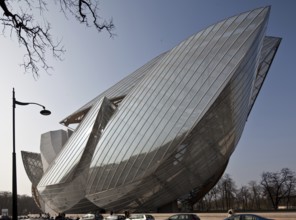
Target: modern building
[[164, 130]]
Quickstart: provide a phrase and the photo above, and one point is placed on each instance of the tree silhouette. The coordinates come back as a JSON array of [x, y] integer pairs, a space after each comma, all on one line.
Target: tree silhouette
[[278, 185], [19, 19]]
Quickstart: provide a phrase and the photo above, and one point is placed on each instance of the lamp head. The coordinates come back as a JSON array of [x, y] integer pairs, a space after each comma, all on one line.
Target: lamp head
[[45, 112]]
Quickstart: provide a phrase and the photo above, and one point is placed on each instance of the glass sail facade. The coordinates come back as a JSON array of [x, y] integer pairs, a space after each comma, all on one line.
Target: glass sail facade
[[164, 130]]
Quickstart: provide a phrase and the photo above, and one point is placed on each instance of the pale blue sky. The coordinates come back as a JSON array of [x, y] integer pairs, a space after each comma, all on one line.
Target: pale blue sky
[[93, 62]]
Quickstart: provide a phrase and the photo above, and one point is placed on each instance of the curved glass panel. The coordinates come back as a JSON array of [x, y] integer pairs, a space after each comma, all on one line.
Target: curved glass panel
[[166, 129]]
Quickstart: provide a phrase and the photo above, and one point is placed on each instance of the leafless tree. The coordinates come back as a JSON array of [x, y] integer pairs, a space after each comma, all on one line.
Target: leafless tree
[[227, 188], [275, 189], [243, 197], [255, 195], [34, 33], [278, 185], [215, 192]]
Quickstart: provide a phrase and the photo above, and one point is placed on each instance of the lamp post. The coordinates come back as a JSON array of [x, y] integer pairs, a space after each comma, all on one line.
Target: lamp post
[[14, 178]]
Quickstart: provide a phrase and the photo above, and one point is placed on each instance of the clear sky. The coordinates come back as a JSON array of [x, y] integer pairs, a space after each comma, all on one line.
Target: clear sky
[[93, 62]]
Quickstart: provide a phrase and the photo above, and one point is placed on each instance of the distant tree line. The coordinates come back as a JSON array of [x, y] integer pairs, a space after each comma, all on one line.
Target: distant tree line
[[276, 190], [26, 204]]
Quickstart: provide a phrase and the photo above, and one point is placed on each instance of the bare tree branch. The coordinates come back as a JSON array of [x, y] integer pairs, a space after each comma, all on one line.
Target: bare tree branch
[[37, 39], [85, 10]]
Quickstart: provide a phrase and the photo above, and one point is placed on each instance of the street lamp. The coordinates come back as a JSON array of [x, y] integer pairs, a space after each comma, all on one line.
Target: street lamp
[[14, 179]]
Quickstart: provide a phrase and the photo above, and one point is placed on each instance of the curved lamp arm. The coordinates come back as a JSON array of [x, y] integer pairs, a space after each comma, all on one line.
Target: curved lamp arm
[[42, 112]]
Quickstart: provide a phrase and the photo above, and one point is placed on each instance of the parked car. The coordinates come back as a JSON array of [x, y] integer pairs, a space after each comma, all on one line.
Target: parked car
[[246, 217], [115, 217], [92, 217], [141, 217], [185, 216]]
